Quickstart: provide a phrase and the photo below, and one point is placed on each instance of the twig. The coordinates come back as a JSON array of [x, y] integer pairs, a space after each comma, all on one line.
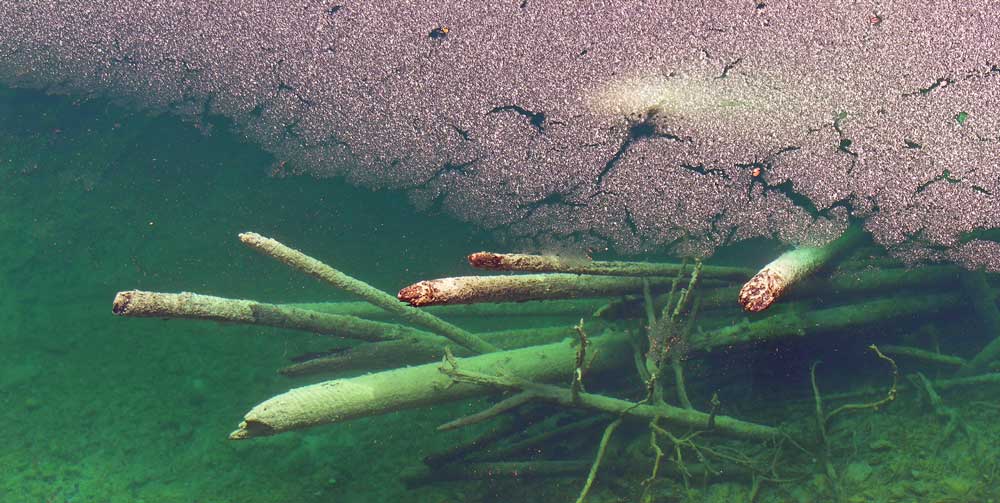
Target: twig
[[580, 367], [605, 438], [505, 405], [890, 396], [953, 421], [831, 472]]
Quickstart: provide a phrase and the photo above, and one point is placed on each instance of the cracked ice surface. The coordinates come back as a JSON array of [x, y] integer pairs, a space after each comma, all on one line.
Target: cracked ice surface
[[639, 125]]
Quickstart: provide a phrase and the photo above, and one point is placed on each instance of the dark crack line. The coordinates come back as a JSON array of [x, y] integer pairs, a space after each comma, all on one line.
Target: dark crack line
[[924, 91], [636, 132], [944, 176], [727, 67], [536, 119]]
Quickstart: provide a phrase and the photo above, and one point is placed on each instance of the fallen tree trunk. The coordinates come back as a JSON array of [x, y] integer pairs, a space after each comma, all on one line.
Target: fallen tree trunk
[[406, 388], [374, 394], [794, 324], [552, 263], [138, 303], [791, 267], [555, 308], [519, 288], [843, 284]]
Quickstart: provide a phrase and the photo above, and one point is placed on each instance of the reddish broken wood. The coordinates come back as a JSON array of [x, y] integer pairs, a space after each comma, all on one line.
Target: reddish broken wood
[[791, 267], [472, 289]]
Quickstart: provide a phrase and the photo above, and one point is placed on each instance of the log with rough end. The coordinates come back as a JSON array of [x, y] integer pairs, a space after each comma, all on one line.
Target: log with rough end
[[519, 288], [406, 388], [791, 267], [187, 305]]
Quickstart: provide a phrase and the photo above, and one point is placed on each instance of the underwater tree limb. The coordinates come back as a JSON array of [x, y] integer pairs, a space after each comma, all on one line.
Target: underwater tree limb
[[890, 395], [981, 297], [601, 448], [138, 303], [570, 308], [796, 324], [677, 416], [317, 269], [953, 420], [924, 355], [405, 388], [552, 263], [791, 267], [501, 407], [519, 288], [843, 283], [492, 470], [400, 353]]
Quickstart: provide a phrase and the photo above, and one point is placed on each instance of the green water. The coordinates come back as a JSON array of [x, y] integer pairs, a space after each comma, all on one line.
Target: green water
[[96, 199]]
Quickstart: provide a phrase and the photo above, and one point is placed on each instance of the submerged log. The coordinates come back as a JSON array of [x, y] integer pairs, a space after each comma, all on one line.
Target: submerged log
[[552, 263], [571, 308], [138, 303], [847, 283], [317, 269], [983, 303], [518, 288], [800, 324], [791, 267], [406, 388], [374, 394], [393, 354]]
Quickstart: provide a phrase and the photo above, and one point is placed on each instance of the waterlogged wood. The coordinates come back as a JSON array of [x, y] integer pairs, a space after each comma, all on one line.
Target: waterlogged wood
[[553, 263], [984, 304], [405, 388], [519, 288], [790, 268], [394, 354], [138, 303], [809, 323], [844, 283], [317, 269], [575, 308], [923, 355], [374, 394]]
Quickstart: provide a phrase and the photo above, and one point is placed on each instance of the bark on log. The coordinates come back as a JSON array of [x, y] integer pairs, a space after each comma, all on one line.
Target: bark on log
[[406, 388], [791, 267], [400, 389], [552, 263], [574, 308], [824, 320], [137, 303], [848, 283], [317, 269], [519, 288], [395, 354]]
